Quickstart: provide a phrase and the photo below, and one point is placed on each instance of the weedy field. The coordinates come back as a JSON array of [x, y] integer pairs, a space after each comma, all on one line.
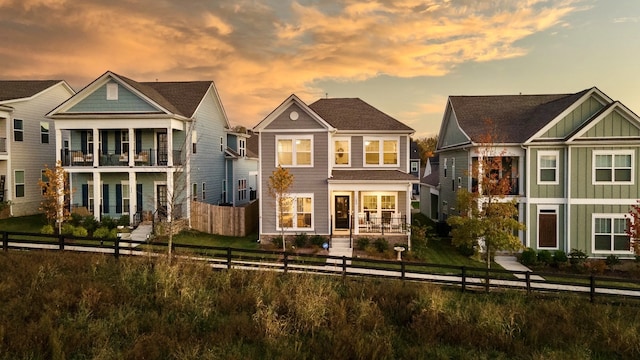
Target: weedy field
[[76, 306]]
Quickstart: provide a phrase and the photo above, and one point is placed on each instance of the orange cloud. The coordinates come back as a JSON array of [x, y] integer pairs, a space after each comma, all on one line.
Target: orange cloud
[[259, 52]]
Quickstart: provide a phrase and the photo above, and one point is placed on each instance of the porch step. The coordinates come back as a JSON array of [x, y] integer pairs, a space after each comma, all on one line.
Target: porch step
[[340, 247]]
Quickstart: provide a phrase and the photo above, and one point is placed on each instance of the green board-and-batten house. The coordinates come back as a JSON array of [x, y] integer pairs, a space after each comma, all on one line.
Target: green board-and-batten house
[[572, 159]]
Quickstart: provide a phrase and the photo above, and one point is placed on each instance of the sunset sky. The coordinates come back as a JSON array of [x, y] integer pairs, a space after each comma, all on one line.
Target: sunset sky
[[403, 57]]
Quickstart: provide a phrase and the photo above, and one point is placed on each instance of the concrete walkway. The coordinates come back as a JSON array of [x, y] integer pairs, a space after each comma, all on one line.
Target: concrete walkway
[[340, 247], [510, 263]]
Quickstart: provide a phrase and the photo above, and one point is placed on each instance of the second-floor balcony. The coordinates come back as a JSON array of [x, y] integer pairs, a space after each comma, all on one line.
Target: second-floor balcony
[[148, 157]]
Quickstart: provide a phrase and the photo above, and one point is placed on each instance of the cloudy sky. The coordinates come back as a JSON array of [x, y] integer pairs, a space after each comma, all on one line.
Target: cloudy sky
[[402, 56]]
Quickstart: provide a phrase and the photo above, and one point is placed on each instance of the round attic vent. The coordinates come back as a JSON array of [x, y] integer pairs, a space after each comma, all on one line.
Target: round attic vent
[[294, 115]]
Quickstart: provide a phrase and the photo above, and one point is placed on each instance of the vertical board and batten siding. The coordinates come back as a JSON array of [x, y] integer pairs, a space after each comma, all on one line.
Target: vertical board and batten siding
[[613, 125], [225, 220], [447, 190], [208, 163], [544, 190], [570, 122], [31, 154], [582, 186], [97, 102], [581, 223]]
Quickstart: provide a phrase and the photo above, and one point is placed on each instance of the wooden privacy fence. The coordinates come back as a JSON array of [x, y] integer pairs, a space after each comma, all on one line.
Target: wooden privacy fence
[[224, 220]]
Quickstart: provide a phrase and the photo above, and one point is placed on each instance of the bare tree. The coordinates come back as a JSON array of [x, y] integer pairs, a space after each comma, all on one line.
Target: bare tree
[[280, 182]]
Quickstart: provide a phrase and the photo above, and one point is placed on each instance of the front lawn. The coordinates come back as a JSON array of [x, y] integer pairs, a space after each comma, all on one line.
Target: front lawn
[[32, 223]]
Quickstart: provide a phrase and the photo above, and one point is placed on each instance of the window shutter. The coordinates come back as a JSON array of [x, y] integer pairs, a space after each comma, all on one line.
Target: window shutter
[[119, 199], [105, 142], [138, 141], [85, 195], [118, 142], [105, 198], [83, 143]]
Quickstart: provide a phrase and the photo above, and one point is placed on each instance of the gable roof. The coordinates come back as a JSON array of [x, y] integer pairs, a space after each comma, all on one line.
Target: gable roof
[[253, 146], [355, 114], [179, 97], [517, 116], [20, 89]]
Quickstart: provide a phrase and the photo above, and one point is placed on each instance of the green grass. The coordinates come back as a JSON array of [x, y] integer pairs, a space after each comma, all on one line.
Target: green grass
[[85, 306], [32, 223], [192, 237]]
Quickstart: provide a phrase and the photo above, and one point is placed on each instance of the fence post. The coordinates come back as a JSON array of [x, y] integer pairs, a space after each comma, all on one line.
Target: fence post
[[116, 247], [464, 279], [527, 276], [228, 258], [344, 265], [5, 241], [592, 283], [286, 261], [61, 241], [402, 270]]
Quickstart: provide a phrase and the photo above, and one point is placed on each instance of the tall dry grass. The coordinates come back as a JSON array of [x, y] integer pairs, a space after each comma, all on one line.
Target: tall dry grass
[[68, 306]]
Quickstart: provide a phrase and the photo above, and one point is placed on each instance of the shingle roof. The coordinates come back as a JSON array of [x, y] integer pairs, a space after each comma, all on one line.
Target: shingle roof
[[19, 89], [517, 117], [355, 114], [371, 175], [253, 146], [180, 97], [432, 179]]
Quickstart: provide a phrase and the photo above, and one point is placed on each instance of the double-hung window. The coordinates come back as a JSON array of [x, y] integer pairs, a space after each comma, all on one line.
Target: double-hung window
[[242, 189], [381, 151], [548, 167], [242, 147], [294, 151], [613, 167], [19, 183], [609, 234], [194, 192], [341, 149], [44, 132], [18, 130], [297, 213], [126, 203]]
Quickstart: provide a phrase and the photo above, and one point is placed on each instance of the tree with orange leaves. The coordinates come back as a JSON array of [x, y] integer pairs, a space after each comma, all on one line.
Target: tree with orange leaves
[[486, 216]]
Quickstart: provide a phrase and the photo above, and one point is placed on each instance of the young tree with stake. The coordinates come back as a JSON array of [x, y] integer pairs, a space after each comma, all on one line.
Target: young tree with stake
[[280, 182]]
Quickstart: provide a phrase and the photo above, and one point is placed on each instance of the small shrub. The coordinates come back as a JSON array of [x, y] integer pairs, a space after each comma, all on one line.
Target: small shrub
[[90, 223], [577, 257], [123, 220], [108, 222], [381, 244], [113, 233], [80, 232], [419, 235], [277, 241], [559, 258], [101, 232], [301, 240], [67, 229], [47, 230], [362, 243], [76, 219], [528, 257], [317, 240], [545, 257], [612, 260]]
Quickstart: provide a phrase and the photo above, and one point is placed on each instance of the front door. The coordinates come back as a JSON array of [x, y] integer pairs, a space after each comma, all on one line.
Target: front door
[[342, 211], [547, 234], [161, 195]]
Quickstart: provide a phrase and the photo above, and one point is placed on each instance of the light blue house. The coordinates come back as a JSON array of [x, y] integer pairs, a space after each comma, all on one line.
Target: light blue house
[[143, 149]]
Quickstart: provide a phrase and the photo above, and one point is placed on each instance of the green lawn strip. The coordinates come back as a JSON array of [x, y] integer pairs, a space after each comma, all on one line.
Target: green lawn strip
[[32, 223], [584, 280]]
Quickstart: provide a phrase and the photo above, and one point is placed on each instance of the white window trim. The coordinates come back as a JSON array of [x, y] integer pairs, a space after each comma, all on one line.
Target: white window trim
[[295, 222], [242, 147], [48, 132], [293, 139], [555, 153], [90, 192], [194, 192], [204, 191], [23, 183], [112, 91], [417, 167], [379, 195], [21, 130], [593, 233], [221, 144], [335, 151], [612, 153], [380, 151], [545, 209], [242, 189]]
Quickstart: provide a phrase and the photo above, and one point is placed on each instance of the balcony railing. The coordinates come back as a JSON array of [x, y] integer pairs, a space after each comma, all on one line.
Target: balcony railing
[[387, 223], [150, 157]]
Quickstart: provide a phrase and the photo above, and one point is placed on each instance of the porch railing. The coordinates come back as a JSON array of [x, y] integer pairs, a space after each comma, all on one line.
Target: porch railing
[[381, 224], [148, 157]]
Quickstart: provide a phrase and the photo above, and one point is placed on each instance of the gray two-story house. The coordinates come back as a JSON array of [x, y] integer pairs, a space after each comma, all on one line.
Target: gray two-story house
[[27, 140], [143, 149], [572, 160], [350, 164]]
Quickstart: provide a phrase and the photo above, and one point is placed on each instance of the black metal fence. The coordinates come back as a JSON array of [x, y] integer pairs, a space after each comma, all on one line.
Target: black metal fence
[[467, 278]]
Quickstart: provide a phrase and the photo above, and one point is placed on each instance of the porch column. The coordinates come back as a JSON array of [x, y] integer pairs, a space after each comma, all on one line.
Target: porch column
[[408, 208], [58, 145], [96, 147], [133, 199], [169, 147], [97, 191], [171, 196], [356, 212], [132, 146]]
